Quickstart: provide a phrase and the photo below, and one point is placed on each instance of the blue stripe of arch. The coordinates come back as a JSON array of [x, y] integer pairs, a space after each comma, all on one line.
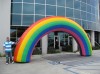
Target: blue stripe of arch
[[56, 27]]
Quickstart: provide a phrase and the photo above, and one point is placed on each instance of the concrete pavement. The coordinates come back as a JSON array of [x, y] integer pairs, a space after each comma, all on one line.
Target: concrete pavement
[[62, 63]]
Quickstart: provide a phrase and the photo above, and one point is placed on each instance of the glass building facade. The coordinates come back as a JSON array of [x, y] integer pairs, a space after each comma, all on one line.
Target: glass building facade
[[85, 12], [26, 12]]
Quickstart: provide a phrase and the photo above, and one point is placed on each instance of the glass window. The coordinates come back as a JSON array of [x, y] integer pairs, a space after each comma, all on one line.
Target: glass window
[[40, 1], [60, 11], [96, 12], [16, 0], [13, 33], [93, 18], [19, 33], [38, 17], [88, 8], [88, 1], [13, 39], [16, 7], [40, 9], [84, 1], [52, 2], [96, 3], [69, 3], [28, 8], [51, 39], [93, 26], [84, 24], [83, 6], [89, 16], [50, 10], [93, 10], [92, 2], [78, 21], [29, 1], [96, 18], [77, 0], [77, 14], [89, 24], [69, 12], [76, 4], [27, 19], [83, 15], [61, 2], [16, 20]]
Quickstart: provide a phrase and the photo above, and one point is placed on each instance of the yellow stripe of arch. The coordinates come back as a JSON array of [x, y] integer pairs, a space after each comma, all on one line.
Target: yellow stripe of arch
[[27, 37]]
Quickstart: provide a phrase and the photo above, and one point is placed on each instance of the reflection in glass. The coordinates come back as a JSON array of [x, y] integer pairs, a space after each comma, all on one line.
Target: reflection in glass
[[89, 16], [16, 0], [83, 6], [83, 15], [51, 39], [16, 8], [13, 33], [61, 2], [40, 9], [28, 8], [50, 10], [60, 11], [78, 21], [84, 24], [69, 3], [51, 2], [76, 4], [29, 1], [69, 12], [16, 20], [77, 14], [93, 10], [84, 1], [38, 17], [88, 8], [27, 19], [20, 32], [40, 1], [88, 1]]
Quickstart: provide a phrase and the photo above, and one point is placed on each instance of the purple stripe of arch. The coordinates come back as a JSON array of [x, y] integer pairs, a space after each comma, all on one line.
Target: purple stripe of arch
[[60, 29]]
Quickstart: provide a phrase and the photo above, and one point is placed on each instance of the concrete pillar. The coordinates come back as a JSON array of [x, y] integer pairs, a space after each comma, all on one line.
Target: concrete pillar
[[5, 9], [44, 44], [74, 45], [92, 38], [99, 37]]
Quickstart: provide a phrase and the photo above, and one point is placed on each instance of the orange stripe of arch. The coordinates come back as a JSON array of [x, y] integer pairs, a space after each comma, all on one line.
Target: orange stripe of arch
[[23, 36]]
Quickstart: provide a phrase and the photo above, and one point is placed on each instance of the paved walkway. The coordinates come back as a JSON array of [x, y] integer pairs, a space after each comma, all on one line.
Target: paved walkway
[[63, 63]]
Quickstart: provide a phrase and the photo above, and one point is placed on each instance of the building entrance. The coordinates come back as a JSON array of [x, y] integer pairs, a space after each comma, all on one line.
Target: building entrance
[[56, 42]]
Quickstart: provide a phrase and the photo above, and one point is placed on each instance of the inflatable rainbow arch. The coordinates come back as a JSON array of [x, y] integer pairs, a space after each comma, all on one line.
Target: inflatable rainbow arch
[[36, 31]]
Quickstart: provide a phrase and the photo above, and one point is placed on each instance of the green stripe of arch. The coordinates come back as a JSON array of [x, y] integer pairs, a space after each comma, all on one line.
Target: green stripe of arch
[[31, 39]]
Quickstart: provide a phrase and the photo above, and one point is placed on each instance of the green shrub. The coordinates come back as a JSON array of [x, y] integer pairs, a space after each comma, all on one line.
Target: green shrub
[[67, 48], [37, 51], [52, 50], [97, 47], [0, 54]]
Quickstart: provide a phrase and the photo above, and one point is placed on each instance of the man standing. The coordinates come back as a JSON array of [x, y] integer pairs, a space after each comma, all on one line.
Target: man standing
[[8, 50]]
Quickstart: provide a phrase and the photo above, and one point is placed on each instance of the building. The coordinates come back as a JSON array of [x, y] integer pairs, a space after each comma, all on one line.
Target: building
[[17, 15]]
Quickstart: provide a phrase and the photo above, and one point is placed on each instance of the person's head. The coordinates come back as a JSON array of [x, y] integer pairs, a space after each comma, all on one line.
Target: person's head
[[7, 39]]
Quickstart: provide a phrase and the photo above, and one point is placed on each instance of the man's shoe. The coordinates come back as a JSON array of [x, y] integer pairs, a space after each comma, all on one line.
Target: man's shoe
[[6, 63]]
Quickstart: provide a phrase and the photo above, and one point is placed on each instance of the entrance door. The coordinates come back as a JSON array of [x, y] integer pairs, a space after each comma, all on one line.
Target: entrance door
[[56, 42]]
